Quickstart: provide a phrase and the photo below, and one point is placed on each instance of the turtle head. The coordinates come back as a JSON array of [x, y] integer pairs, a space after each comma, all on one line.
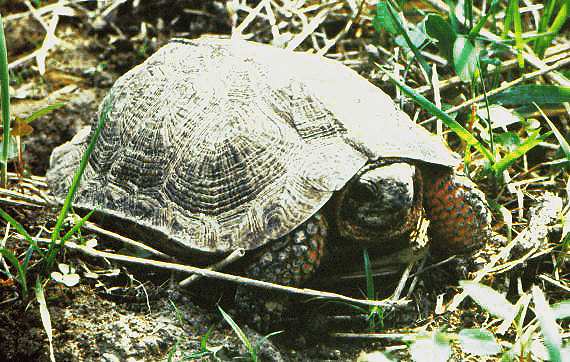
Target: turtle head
[[378, 202]]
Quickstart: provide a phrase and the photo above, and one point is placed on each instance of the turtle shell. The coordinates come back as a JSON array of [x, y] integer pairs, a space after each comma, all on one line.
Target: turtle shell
[[214, 144]]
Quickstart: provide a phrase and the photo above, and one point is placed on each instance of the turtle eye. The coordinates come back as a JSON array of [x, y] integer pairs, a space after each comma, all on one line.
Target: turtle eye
[[363, 191]]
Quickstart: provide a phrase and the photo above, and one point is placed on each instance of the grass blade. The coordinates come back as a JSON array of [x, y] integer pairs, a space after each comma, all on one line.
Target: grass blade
[[28, 257], [514, 155], [556, 26], [21, 270], [43, 111], [432, 348], [561, 309], [543, 25], [532, 93], [487, 108], [20, 230], [493, 9], [54, 248], [44, 314], [543, 42], [452, 18], [77, 226], [508, 19], [266, 338], [375, 313], [240, 333], [519, 43], [465, 58], [204, 340], [468, 13], [489, 299], [548, 326], [559, 136], [368, 272], [479, 342], [431, 108], [5, 102], [404, 32], [384, 20]]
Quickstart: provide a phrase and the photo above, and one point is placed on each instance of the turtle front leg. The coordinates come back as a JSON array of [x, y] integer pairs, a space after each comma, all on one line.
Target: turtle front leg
[[290, 260], [459, 217]]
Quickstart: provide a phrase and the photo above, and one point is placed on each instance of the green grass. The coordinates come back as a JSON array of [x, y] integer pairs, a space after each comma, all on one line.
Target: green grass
[[241, 335], [481, 342], [459, 41], [250, 347], [57, 242], [20, 268], [375, 313], [5, 103], [55, 247], [549, 30], [47, 258], [514, 17], [432, 109]]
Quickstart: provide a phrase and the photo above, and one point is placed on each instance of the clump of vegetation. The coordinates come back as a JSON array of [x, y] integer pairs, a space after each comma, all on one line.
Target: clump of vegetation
[[538, 339]]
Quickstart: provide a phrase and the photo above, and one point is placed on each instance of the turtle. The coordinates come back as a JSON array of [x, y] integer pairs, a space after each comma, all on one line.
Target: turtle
[[216, 143]]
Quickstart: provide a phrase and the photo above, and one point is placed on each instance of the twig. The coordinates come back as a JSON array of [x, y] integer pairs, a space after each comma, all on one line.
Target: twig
[[36, 15], [249, 18], [30, 201], [17, 203], [387, 265], [415, 277], [10, 300], [309, 28], [457, 299], [403, 280], [331, 42], [35, 180], [44, 9], [554, 282], [222, 276], [531, 254], [556, 54], [23, 197], [23, 60], [231, 278], [534, 61], [99, 230], [375, 336], [433, 266], [230, 259]]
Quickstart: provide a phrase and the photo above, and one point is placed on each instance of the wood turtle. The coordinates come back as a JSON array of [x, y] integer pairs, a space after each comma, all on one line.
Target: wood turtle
[[215, 144]]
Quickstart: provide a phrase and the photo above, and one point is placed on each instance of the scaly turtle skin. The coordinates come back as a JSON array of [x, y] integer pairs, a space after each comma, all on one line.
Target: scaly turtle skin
[[214, 144]]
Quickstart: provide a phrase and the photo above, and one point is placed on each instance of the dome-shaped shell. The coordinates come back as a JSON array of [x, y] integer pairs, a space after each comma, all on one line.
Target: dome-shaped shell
[[215, 144]]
